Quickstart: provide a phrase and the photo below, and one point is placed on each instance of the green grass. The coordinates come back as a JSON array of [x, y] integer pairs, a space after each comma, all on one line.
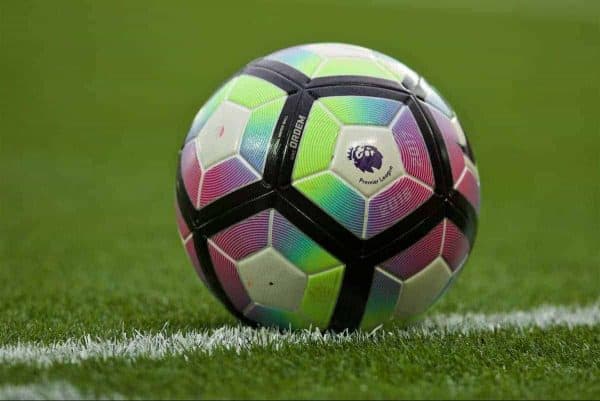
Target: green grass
[[508, 364], [96, 98]]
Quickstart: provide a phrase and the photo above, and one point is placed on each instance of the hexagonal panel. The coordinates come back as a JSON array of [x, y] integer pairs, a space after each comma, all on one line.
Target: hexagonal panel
[[336, 198], [271, 280], [238, 120], [221, 135], [367, 157], [413, 150], [363, 140], [422, 289], [394, 203], [317, 144]]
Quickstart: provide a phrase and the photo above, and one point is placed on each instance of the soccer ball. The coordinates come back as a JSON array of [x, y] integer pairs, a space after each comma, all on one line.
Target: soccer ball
[[327, 186]]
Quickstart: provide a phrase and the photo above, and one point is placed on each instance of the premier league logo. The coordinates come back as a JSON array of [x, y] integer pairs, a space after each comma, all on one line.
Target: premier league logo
[[365, 157]]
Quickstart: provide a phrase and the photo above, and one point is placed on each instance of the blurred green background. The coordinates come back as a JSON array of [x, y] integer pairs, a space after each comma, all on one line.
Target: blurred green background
[[97, 97]]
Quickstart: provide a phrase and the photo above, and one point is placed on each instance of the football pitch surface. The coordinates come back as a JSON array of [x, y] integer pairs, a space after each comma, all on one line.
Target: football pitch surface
[[97, 297]]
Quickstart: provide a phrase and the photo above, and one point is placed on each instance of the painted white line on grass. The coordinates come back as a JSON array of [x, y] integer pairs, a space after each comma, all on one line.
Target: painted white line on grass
[[240, 339], [49, 391]]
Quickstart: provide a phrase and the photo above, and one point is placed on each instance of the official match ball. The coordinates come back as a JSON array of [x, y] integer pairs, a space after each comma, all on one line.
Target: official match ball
[[327, 186]]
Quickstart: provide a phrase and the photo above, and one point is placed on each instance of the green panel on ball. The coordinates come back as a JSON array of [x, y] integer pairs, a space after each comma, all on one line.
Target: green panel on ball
[[337, 199], [321, 296], [252, 92], [318, 143], [297, 247], [362, 110], [258, 133], [353, 66]]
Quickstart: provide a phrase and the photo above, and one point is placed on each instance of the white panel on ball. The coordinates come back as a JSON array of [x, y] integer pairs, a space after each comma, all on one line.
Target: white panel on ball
[[356, 143], [220, 138], [271, 280]]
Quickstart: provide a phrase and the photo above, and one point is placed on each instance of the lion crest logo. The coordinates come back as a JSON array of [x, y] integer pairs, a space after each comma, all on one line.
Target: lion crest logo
[[365, 157]]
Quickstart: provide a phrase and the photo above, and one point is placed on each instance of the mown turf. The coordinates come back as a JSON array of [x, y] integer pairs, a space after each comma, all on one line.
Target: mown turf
[[558, 363], [97, 98]]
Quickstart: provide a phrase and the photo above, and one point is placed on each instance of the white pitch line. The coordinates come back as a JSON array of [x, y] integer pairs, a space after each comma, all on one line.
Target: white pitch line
[[240, 339], [49, 391]]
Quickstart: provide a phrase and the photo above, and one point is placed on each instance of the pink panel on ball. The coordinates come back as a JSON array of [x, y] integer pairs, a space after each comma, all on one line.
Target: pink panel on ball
[[469, 187], [229, 278], [412, 147], [456, 246], [191, 251], [455, 153], [184, 231], [394, 203], [418, 256], [242, 239], [224, 178], [191, 172]]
